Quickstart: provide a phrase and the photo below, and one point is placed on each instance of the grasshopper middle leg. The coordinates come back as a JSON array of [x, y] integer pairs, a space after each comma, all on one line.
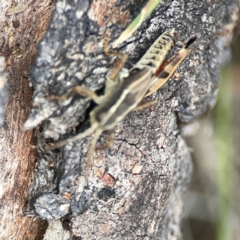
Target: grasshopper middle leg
[[79, 90]]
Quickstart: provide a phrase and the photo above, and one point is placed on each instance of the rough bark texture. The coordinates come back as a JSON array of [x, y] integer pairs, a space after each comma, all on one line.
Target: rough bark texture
[[134, 190], [19, 36]]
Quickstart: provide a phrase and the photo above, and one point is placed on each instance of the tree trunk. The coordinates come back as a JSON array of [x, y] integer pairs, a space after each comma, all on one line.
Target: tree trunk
[[134, 189], [19, 37]]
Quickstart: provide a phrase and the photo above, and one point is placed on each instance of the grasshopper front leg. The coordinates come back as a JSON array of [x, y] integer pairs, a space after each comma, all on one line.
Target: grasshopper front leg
[[112, 75]]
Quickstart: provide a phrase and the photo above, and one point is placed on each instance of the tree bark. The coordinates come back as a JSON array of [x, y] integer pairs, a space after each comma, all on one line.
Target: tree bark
[[19, 37], [134, 190]]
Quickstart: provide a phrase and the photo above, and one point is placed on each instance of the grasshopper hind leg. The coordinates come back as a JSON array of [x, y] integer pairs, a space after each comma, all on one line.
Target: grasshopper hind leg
[[166, 70]]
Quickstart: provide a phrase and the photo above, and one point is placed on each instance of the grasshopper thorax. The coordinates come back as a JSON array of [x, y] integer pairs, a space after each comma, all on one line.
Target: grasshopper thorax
[[123, 99]]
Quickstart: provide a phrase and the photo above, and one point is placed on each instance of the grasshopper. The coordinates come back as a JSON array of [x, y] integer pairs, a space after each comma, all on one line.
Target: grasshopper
[[125, 93]]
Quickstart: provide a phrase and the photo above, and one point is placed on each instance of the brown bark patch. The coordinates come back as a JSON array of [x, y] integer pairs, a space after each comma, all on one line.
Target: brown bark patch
[[105, 13]]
